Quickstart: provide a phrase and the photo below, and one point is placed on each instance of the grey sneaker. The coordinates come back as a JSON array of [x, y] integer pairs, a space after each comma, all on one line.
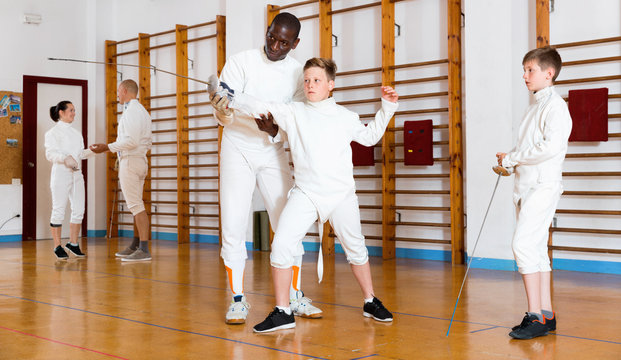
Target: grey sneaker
[[124, 253], [138, 255]]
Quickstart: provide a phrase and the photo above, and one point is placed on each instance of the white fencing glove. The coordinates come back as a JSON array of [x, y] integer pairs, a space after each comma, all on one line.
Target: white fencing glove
[[221, 104], [221, 97], [70, 162]]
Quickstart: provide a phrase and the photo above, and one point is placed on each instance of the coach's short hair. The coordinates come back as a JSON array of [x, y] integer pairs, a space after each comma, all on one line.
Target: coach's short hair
[[130, 85], [288, 21]]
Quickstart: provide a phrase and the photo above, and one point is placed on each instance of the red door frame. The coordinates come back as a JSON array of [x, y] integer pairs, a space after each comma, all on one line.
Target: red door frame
[[29, 164]]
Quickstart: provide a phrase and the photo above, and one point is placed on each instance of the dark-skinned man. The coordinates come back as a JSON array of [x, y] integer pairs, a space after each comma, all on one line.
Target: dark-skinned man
[[251, 158]]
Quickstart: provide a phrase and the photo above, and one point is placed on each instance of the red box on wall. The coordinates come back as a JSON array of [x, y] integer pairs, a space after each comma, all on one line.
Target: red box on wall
[[418, 142], [362, 155], [589, 114]]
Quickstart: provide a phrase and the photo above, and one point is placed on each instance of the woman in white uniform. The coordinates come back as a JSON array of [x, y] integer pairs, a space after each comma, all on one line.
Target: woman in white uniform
[[64, 147]]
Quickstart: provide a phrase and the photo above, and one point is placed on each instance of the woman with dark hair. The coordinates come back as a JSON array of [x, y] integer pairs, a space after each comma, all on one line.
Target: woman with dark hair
[[64, 147]]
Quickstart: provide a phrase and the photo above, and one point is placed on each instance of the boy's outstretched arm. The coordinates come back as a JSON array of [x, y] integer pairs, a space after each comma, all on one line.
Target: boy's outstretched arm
[[369, 135]]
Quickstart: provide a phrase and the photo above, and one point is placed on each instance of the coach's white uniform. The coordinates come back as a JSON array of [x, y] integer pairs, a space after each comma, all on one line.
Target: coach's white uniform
[[248, 157], [61, 141], [133, 141], [319, 134], [538, 160]]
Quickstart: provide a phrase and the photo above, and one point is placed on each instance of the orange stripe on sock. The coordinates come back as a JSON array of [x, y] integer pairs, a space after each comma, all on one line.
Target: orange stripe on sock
[[294, 283], [229, 273]]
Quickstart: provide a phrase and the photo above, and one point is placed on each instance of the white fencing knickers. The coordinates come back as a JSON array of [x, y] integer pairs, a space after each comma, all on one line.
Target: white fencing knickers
[[132, 172], [535, 211], [268, 169], [299, 215], [66, 184]]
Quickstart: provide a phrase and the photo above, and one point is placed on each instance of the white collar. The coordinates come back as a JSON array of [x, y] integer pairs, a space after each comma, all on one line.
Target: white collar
[[63, 124], [329, 102], [543, 94]]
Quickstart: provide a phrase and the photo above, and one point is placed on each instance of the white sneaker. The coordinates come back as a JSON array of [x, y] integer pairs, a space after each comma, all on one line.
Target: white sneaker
[[238, 310], [302, 307]]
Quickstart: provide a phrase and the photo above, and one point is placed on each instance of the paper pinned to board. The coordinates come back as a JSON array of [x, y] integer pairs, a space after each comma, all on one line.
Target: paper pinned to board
[[5, 102]]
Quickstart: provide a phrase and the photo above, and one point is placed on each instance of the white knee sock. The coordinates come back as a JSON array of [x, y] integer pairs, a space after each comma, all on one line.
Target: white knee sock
[[296, 279], [235, 275]]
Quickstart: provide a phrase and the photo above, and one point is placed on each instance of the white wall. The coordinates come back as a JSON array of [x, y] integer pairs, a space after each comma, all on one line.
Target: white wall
[[495, 101], [122, 20], [599, 20], [28, 47], [494, 95], [495, 98]]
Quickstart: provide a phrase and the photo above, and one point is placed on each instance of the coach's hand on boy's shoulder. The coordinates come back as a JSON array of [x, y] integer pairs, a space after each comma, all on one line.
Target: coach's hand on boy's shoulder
[[389, 94], [266, 123]]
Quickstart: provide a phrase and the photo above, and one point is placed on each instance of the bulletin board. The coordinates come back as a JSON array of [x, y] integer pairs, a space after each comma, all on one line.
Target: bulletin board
[[11, 128]]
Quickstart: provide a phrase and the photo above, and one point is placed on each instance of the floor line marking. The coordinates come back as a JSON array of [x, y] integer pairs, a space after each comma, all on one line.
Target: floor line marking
[[489, 328], [62, 343], [162, 326], [363, 357], [315, 301]]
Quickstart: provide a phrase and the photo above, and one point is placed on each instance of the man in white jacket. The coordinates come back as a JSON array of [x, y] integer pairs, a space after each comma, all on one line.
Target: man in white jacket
[[250, 158], [537, 161], [319, 133], [133, 141]]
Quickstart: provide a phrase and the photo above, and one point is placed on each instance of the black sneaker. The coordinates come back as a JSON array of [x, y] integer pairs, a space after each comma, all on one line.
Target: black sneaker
[[551, 323], [522, 324], [60, 253], [532, 329], [376, 310], [276, 320], [74, 249]]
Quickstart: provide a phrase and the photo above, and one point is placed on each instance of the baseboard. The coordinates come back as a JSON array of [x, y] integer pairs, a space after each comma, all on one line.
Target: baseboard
[[96, 233], [10, 238], [158, 235], [423, 254], [593, 266]]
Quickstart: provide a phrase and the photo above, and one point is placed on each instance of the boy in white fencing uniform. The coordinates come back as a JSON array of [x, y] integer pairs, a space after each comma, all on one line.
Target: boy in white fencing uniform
[[248, 158], [319, 133], [537, 162], [133, 141], [64, 147]]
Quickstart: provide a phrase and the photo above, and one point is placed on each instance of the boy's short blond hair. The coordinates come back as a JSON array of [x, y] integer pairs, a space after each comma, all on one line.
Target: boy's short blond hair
[[546, 57], [328, 65], [130, 85]]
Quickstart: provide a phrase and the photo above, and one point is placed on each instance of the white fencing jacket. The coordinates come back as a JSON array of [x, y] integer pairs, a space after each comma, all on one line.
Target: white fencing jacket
[[542, 143], [319, 135], [252, 73], [63, 140], [133, 137]]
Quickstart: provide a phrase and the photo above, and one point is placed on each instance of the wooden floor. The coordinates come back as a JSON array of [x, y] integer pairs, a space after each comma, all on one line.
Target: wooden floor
[[174, 306]]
